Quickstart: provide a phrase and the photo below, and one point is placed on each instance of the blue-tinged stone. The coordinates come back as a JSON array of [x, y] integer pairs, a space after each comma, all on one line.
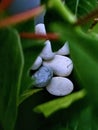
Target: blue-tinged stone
[[43, 76]]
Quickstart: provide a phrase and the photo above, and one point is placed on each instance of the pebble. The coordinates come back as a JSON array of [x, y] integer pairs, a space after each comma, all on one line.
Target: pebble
[[60, 86], [40, 29], [47, 53], [43, 76], [37, 63], [61, 65], [64, 50]]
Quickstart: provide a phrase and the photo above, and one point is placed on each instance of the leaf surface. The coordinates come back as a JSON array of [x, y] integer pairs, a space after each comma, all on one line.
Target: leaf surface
[[11, 65], [81, 7], [52, 106], [84, 50]]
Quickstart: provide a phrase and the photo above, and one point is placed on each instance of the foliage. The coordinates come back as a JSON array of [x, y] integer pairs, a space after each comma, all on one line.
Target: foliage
[[24, 107]]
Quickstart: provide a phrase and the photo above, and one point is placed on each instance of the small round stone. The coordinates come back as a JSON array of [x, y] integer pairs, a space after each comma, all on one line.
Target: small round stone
[[47, 53], [64, 50], [60, 86], [61, 65], [42, 77], [37, 63]]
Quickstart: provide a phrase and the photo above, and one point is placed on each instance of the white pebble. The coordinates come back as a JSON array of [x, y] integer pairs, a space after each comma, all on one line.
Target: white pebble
[[64, 50], [60, 86], [47, 53], [37, 63], [40, 29], [61, 65]]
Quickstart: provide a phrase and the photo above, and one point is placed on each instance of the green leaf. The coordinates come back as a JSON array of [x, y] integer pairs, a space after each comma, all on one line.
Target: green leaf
[[26, 26], [63, 11], [81, 7], [84, 120], [78, 116], [84, 54], [31, 50], [50, 107], [95, 28], [11, 65], [27, 94]]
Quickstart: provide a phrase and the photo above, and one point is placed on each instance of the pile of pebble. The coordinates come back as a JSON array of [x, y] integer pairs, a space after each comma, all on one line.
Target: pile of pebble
[[51, 69]]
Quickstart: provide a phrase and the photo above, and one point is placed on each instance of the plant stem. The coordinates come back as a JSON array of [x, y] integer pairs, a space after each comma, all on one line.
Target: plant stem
[[87, 18], [63, 10], [50, 36], [21, 16]]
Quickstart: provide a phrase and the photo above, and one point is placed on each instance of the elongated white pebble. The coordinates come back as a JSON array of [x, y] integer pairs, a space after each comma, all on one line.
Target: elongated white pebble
[[61, 65], [47, 53], [37, 63], [64, 50], [40, 29], [60, 86]]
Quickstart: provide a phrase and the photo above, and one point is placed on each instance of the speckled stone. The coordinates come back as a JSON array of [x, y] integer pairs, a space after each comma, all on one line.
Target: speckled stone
[[64, 50], [43, 76], [60, 86], [61, 65], [37, 63]]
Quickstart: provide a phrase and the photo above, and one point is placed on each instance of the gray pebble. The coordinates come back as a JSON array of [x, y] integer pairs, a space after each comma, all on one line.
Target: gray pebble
[[42, 77]]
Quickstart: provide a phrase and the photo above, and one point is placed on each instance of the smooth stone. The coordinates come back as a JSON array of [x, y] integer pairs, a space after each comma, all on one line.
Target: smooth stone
[[61, 65], [64, 50], [37, 63], [60, 86], [47, 53], [40, 29], [42, 77]]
